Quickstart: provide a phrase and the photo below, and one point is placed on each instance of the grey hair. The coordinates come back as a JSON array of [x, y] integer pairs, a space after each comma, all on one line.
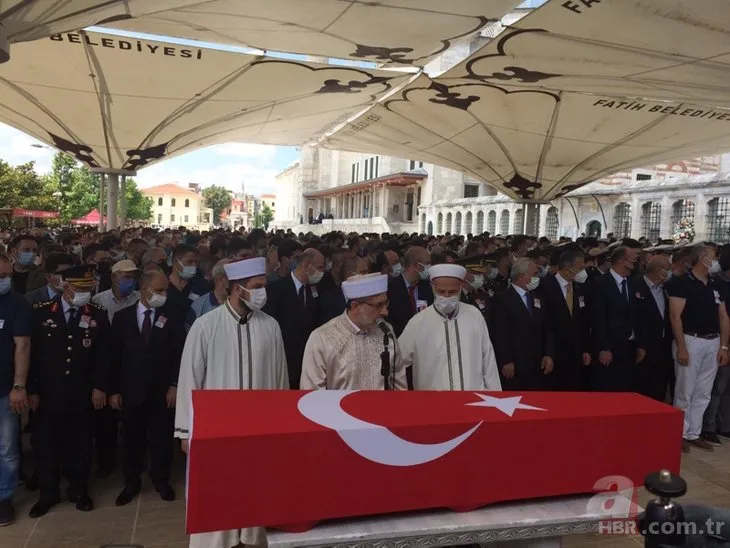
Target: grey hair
[[219, 270], [521, 267], [149, 276], [698, 252], [148, 256]]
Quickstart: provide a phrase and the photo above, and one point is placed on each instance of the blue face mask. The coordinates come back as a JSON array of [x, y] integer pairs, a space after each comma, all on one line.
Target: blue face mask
[[187, 272], [126, 287], [5, 284], [26, 258]]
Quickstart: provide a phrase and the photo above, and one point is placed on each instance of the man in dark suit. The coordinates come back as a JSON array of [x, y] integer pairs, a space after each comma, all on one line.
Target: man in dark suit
[[294, 302], [566, 304], [69, 376], [54, 263], [332, 303], [520, 331], [410, 293], [146, 348], [615, 326], [656, 330]]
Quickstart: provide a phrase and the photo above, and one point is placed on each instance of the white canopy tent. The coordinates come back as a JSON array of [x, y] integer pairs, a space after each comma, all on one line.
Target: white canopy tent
[[575, 91], [387, 31], [119, 104]]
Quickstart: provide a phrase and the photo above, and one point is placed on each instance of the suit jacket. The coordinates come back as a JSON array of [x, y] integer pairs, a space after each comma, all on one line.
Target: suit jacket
[[521, 338], [141, 372], [656, 332], [332, 304], [66, 363], [39, 295], [400, 308], [296, 321], [614, 319], [571, 332]]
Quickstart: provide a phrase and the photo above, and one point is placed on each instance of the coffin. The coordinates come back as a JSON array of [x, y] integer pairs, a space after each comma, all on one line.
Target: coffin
[[289, 459]]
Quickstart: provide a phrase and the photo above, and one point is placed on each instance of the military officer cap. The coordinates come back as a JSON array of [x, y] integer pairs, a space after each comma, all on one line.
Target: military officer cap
[[475, 263], [80, 276]]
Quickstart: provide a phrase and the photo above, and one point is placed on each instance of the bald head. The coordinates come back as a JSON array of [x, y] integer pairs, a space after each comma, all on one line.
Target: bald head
[[414, 262], [311, 267], [658, 268]]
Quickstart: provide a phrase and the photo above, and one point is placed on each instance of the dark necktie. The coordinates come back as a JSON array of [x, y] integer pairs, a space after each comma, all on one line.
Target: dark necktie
[[625, 290], [412, 296], [147, 326], [302, 296], [530, 302], [73, 317]]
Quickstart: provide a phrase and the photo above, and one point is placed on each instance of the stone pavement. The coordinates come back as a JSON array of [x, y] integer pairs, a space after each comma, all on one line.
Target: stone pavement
[[153, 523]]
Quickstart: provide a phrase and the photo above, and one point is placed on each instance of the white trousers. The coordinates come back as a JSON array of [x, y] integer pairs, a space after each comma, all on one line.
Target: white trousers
[[694, 382]]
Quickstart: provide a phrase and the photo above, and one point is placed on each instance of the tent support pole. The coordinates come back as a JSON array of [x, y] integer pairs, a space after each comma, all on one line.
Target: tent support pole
[[112, 200], [102, 181], [530, 219], [123, 202]]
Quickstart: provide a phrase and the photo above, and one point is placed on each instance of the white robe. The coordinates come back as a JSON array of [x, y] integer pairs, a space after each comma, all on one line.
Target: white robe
[[221, 352], [450, 354], [339, 356]]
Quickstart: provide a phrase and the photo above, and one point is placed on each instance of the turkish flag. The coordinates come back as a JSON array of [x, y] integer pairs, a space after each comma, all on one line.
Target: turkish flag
[[272, 458]]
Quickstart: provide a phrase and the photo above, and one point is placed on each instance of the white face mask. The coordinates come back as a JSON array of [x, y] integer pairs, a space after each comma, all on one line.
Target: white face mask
[[156, 300], [424, 274], [478, 281], [315, 277], [257, 298], [534, 282], [581, 277], [396, 270], [715, 267], [81, 299], [445, 305]]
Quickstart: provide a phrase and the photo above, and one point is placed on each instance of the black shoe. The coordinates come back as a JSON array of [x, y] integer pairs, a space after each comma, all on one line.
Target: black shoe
[[712, 438], [31, 484], [724, 434], [42, 507], [166, 491], [7, 513], [127, 495], [84, 502]]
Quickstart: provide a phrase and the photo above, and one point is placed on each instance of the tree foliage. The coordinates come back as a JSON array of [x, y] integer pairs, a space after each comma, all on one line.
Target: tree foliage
[[218, 199], [22, 187], [266, 216]]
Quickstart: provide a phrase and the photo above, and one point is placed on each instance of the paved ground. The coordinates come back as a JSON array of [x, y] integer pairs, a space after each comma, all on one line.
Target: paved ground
[[150, 522]]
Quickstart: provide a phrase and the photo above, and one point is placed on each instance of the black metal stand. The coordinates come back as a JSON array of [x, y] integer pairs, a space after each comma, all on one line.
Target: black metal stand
[[385, 363], [660, 522]]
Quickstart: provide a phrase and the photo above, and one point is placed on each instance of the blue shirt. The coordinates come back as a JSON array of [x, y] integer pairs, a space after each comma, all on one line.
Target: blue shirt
[[200, 307], [15, 321]]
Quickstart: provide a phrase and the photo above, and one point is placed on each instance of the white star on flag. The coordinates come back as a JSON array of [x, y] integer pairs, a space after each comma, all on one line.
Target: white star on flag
[[508, 406]]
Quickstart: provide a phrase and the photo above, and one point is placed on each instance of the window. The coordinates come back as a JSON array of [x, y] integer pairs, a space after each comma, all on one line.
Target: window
[[186, 219], [413, 164], [439, 223], [651, 220], [172, 218], [172, 202], [159, 217], [448, 223], [683, 215], [622, 220], [504, 222], [551, 223], [457, 226], [206, 217], [718, 220], [422, 228], [471, 191], [187, 202], [480, 222], [272, 205], [467, 222], [377, 162], [492, 222], [517, 226], [159, 201], [352, 178], [643, 177]]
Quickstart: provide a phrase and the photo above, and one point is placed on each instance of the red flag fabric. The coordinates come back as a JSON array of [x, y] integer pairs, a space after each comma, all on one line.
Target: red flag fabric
[[292, 458]]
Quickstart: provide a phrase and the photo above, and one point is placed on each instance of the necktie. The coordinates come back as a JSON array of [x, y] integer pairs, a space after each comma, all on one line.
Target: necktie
[[73, 316], [412, 296], [530, 301], [147, 326], [302, 297], [625, 290], [569, 297]]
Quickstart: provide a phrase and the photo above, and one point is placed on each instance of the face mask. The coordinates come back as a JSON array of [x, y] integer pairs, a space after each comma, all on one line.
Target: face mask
[[315, 277], [668, 275], [715, 267], [396, 270], [187, 272], [26, 258], [581, 277], [478, 281], [327, 266], [445, 305], [293, 264], [126, 287], [5, 284], [493, 274], [76, 249], [156, 300], [534, 282], [81, 299], [257, 298], [543, 271], [424, 274]]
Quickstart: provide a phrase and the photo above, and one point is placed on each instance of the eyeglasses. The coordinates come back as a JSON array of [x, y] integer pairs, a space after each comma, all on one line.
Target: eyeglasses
[[378, 306]]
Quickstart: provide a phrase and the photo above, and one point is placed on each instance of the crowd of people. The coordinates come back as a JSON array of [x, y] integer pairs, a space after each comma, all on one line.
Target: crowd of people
[[108, 333]]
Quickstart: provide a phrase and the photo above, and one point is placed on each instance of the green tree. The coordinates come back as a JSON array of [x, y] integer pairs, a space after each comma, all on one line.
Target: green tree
[[217, 198], [63, 170], [83, 194], [22, 187], [139, 206], [266, 216]]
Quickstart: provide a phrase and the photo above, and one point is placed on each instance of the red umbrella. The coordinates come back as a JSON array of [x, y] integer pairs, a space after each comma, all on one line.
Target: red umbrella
[[91, 218]]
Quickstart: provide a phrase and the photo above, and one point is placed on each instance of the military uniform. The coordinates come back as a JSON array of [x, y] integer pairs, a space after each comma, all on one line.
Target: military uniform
[[478, 298], [69, 358]]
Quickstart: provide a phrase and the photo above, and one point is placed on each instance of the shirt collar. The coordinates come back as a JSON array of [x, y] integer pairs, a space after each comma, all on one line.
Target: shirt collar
[[562, 281], [350, 325], [521, 292], [65, 306], [651, 285], [235, 314], [616, 276], [124, 300], [297, 283], [141, 309]]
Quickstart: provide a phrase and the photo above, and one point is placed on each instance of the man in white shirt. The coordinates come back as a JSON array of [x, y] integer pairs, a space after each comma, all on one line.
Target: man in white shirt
[[123, 292]]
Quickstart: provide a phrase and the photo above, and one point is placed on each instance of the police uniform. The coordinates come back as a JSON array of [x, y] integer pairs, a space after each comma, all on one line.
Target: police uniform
[[69, 359], [478, 297]]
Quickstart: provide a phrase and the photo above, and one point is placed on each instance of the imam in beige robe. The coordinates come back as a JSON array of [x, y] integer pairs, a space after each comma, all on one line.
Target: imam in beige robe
[[341, 356]]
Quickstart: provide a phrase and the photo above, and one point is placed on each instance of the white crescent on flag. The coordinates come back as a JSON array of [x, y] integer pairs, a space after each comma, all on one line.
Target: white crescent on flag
[[371, 441]]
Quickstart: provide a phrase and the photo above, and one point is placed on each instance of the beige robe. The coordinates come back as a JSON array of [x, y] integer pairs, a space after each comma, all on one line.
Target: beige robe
[[221, 352], [339, 356], [450, 353]]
